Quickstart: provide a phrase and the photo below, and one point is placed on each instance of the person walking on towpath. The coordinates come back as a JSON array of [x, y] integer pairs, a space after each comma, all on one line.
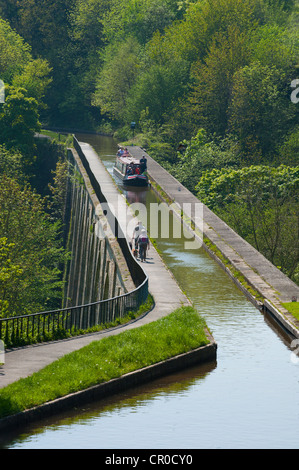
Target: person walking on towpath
[[143, 244], [136, 234]]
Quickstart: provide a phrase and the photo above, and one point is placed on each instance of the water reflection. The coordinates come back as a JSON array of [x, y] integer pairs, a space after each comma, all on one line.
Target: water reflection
[[250, 400], [96, 416]]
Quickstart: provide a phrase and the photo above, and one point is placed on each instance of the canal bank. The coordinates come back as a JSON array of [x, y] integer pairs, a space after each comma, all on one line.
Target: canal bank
[[265, 285], [167, 295], [201, 355], [246, 400], [22, 362]]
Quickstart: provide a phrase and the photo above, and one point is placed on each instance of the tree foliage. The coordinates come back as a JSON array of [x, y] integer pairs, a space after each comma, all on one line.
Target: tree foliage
[[12, 165], [170, 53], [17, 65], [214, 75], [30, 249], [262, 204], [117, 78], [260, 112], [31, 253], [19, 120]]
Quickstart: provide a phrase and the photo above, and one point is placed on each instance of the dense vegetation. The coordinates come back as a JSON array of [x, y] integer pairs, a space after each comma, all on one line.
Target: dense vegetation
[[31, 252], [31, 248], [212, 75]]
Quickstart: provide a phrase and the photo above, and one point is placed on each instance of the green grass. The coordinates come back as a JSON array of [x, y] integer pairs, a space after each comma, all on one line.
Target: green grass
[[111, 357], [61, 138], [17, 338], [293, 308]]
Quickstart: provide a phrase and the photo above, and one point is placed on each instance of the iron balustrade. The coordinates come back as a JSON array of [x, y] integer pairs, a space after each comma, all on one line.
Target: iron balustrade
[[56, 324], [137, 273]]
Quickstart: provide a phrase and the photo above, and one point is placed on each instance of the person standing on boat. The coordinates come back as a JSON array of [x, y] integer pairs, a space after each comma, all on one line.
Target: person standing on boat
[[143, 164]]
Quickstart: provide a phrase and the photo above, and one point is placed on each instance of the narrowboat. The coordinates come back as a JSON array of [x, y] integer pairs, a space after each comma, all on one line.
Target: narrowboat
[[130, 171]]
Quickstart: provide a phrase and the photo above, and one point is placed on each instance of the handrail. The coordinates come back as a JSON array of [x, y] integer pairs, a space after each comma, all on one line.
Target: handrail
[[53, 324], [60, 323], [136, 271], [73, 307]]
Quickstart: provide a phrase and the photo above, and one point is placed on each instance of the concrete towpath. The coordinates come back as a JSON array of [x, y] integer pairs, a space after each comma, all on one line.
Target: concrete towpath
[[22, 362], [273, 285]]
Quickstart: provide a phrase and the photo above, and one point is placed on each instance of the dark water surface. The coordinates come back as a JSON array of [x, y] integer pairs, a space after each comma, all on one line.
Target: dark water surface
[[249, 399]]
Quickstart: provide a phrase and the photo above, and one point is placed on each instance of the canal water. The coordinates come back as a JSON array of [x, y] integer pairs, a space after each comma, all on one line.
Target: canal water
[[249, 399]]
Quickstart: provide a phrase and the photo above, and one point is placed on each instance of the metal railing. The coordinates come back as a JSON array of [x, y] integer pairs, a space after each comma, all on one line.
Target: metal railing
[[55, 324]]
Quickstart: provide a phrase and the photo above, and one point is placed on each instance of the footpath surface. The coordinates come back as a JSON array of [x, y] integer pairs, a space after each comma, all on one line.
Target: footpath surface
[[263, 276], [22, 362]]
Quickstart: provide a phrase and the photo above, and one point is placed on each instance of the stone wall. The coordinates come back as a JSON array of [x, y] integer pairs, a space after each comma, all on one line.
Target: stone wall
[[97, 269]]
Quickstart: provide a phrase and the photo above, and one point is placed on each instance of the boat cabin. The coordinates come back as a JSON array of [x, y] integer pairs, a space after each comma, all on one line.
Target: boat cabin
[[123, 164], [129, 170]]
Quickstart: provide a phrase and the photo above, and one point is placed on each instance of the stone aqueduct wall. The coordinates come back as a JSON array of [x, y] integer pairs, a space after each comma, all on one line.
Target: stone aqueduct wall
[[97, 269]]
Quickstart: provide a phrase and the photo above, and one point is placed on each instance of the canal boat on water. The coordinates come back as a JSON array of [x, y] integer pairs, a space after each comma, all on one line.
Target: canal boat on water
[[130, 171]]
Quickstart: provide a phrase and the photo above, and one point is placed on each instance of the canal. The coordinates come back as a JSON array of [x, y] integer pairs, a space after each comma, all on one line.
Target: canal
[[248, 399]]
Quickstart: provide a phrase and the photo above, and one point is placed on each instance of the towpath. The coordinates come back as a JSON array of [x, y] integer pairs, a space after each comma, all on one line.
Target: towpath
[[22, 362], [274, 286]]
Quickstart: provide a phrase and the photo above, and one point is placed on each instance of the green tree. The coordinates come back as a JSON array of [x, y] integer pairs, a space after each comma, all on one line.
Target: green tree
[[205, 19], [117, 78], [139, 18], [35, 78], [42, 23], [283, 4], [17, 66], [214, 80], [12, 164], [289, 150], [14, 52], [45, 25], [19, 120], [201, 155], [261, 203], [156, 89], [31, 250], [10, 275], [260, 111], [275, 45]]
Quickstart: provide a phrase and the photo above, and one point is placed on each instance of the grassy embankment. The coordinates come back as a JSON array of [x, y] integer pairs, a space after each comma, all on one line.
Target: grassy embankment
[[61, 138], [111, 357], [293, 308]]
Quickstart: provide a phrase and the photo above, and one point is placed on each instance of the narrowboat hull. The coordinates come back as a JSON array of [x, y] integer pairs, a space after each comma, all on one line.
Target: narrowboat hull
[[136, 180]]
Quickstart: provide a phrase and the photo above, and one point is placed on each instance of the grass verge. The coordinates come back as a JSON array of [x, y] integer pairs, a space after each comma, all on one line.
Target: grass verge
[[293, 308], [111, 357], [61, 138]]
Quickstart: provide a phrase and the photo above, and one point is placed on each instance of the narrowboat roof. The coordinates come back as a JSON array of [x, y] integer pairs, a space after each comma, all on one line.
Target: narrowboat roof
[[128, 159]]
